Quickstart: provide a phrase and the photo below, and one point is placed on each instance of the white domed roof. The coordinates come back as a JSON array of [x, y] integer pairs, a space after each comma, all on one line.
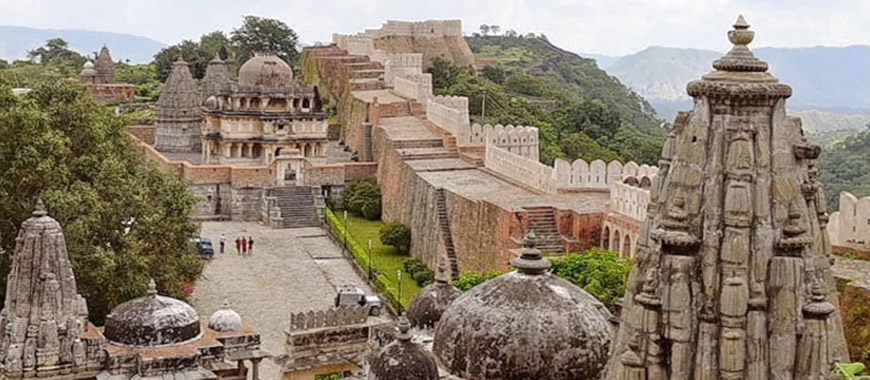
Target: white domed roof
[[266, 70], [225, 319]]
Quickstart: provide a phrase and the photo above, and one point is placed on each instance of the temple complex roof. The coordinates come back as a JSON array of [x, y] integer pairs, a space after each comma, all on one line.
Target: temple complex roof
[[526, 324], [267, 71], [403, 360], [151, 321], [180, 98], [225, 319], [429, 303]]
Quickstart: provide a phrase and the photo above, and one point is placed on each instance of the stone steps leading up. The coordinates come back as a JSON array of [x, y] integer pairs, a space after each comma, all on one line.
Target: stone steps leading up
[[368, 74], [426, 153], [297, 204], [444, 223], [542, 220], [420, 143]]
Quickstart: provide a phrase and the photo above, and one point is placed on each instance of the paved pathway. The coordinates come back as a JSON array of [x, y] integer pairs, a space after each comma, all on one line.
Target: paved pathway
[[291, 270]]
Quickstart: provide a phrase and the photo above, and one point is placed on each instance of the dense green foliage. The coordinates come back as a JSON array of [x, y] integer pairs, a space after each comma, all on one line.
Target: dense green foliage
[[594, 116], [363, 197], [419, 272], [124, 219], [255, 35], [144, 77], [599, 272], [397, 235], [51, 62], [196, 53], [845, 166], [470, 279], [851, 371]]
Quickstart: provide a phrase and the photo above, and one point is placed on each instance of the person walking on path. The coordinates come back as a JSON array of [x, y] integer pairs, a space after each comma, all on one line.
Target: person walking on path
[[223, 242], [239, 246], [250, 245], [244, 246]]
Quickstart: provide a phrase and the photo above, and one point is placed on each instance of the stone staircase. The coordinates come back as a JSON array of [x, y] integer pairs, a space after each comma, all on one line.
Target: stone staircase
[[444, 223], [542, 220], [299, 206]]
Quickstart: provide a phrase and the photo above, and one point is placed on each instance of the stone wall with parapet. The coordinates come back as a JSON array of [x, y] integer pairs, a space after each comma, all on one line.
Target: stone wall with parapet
[[402, 64], [597, 174], [416, 86], [328, 318], [519, 169], [628, 200], [850, 226], [427, 29], [519, 140], [450, 113]]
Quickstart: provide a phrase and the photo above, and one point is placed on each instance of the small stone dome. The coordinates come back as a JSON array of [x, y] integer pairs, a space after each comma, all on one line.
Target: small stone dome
[[266, 70], [225, 319], [88, 70], [211, 103], [152, 321], [526, 324], [403, 360], [429, 303]]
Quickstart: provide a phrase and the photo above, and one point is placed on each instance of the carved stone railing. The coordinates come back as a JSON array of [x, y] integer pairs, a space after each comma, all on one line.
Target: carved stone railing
[[328, 318]]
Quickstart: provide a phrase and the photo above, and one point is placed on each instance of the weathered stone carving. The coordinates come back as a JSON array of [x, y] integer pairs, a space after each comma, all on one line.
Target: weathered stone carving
[[732, 278]]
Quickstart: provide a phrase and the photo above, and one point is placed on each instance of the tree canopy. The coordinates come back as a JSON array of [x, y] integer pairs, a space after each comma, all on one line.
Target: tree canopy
[[196, 53], [50, 62], [259, 34], [125, 220]]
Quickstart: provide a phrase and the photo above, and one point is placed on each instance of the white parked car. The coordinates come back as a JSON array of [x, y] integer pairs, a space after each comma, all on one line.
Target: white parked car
[[349, 296]]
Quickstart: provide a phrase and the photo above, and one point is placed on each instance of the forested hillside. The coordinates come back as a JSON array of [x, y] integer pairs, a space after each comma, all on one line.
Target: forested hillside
[[581, 111], [845, 166]]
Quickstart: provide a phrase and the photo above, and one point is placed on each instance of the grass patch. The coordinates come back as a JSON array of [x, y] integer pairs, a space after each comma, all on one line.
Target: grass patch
[[386, 260]]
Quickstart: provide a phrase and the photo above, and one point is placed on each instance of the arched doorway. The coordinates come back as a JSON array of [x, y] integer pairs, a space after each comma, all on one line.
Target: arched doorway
[[617, 237], [605, 239], [278, 152], [626, 247], [307, 150]]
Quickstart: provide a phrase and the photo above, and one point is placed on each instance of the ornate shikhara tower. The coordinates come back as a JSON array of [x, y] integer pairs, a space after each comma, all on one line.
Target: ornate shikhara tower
[[732, 275]]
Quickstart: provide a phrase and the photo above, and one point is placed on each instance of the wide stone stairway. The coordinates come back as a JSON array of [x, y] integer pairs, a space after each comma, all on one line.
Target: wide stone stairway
[[297, 204], [542, 220]]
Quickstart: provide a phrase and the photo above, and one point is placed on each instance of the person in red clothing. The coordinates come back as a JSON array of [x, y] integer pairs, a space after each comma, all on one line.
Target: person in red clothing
[[244, 247], [238, 245]]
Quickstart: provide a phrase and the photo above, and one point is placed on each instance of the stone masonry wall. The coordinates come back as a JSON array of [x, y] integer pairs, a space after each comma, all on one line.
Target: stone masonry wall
[[850, 226]]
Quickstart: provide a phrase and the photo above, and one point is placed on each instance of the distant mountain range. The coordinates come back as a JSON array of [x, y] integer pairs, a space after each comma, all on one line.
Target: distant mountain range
[[15, 41], [829, 81]]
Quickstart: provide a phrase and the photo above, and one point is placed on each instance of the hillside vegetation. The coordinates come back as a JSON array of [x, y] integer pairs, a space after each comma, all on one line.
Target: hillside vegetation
[[580, 110], [845, 165]]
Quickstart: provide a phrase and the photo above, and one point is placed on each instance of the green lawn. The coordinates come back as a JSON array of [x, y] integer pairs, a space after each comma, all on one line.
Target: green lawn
[[386, 260]]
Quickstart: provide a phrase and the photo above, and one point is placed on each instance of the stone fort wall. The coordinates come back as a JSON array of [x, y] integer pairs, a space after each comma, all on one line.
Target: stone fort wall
[[850, 226]]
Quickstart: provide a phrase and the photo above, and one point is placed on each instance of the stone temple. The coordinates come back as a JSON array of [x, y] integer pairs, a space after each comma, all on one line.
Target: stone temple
[[45, 332], [99, 79], [732, 276]]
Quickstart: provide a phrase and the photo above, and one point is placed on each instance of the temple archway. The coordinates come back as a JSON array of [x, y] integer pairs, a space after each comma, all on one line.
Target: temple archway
[[626, 247], [605, 241]]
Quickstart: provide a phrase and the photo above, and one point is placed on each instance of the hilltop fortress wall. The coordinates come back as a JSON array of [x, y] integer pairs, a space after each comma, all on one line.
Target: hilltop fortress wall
[[849, 228]]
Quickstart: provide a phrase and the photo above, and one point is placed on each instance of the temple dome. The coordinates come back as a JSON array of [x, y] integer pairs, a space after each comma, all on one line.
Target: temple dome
[[211, 103], [526, 324], [152, 321], [266, 70], [225, 319], [429, 303], [403, 359]]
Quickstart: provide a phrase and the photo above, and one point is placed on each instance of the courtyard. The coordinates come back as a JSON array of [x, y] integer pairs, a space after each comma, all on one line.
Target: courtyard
[[290, 271]]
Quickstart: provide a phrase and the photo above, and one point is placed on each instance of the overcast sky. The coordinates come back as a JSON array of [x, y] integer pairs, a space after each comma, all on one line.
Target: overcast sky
[[614, 27]]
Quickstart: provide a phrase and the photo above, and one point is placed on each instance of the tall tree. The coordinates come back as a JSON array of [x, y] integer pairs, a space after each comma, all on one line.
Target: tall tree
[[125, 220], [258, 34], [484, 29], [495, 29]]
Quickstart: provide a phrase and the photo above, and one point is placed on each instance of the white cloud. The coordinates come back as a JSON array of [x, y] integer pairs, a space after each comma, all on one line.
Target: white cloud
[[601, 26]]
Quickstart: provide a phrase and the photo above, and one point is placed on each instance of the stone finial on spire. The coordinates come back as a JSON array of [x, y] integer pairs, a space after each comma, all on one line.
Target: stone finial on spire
[[531, 261], [441, 276], [404, 327], [226, 304], [39, 210], [152, 288], [740, 58]]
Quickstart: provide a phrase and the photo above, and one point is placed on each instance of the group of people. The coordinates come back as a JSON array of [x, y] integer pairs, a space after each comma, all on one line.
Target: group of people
[[244, 247]]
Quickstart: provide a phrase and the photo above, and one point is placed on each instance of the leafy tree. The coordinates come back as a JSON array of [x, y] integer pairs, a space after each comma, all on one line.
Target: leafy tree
[[494, 29], [259, 34], [54, 49], [197, 54], [494, 73], [363, 197], [125, 220], [484, 29], [397, 235], [599, 272]]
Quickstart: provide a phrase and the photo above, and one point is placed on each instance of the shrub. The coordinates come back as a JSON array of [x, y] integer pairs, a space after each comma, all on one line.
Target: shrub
[[419, 272], [397, 235], [599, 272], [470, 279], [424, 278], [363, 197]]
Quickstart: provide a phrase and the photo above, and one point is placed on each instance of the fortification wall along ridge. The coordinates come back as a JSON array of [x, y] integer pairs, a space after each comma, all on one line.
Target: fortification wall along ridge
[[850, 226]]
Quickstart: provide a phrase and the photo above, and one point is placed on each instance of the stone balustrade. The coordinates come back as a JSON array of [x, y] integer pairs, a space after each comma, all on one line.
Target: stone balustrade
[[628, 200], [414, 86], [450, 113], [850, 226], [520, 169], [328, 318]]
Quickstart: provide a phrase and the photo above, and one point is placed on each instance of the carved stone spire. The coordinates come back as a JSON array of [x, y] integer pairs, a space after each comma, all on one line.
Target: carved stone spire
[[730, 277], [531, 260], [178, 112], [43, 314]]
